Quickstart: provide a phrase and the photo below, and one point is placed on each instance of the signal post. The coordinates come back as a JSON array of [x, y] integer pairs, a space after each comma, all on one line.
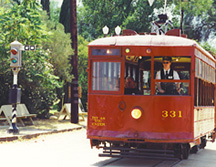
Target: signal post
[[15, 92]]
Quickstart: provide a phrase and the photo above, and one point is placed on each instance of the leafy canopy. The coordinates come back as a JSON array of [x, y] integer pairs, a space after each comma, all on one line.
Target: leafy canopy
[[37, 77]]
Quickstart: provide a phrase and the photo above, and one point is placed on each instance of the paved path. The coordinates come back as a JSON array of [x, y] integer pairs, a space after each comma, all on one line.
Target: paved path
[[72, 149], [40, 127]]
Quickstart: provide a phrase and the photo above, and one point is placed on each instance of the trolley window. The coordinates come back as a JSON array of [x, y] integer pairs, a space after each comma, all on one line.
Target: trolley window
[[106, 76], [106, 52], [204, 83], [172, 75], [137, 75], [145, 75]]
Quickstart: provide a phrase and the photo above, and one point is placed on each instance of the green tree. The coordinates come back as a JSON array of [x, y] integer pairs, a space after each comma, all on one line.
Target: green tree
[[65, 14], [138, 20], [97, 15], [209, 48], [82, 51], [46, 6], [82, 68], [94, 15], [197, 18], [17, 1], [54, 12], [36, 77], [59, 48]]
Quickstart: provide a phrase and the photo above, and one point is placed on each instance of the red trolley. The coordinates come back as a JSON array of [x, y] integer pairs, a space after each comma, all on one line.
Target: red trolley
[[145, 122]]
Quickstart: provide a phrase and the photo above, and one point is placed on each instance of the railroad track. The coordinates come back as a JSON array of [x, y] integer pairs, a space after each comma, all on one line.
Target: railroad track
[[135, 162], [167, 163]]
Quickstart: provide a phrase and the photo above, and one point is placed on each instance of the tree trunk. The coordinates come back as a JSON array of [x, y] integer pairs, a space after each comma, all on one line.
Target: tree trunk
[[45, 4], [74, 62], [65, 14]]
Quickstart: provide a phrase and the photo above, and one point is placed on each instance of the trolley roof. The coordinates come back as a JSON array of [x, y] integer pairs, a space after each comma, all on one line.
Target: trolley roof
[[144, 40], [147, 40]]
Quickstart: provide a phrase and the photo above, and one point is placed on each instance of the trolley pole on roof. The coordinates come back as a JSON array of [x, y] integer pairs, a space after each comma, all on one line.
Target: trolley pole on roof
[[74, 62]]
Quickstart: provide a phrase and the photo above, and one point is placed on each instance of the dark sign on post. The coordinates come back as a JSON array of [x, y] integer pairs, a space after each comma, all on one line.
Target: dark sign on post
[[15, 95]]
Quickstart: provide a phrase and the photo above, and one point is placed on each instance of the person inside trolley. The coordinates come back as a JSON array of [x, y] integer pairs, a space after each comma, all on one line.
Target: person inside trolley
[[131, 86], [168, 88]]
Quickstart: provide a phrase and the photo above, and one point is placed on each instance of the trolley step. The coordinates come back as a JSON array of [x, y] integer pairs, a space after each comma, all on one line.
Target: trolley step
[[137, 153]]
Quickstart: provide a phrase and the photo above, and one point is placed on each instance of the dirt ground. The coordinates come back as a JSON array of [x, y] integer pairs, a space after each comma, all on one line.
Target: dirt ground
[[40, 127]]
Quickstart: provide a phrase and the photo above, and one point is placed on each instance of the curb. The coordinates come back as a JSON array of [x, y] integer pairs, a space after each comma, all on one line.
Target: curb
[[31, 136]]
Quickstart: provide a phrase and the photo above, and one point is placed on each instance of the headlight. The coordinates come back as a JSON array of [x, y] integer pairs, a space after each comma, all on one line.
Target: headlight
[[136, 113]]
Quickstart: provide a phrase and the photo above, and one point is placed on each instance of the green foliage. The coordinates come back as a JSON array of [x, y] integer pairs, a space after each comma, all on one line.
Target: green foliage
[[22, 21], [199, 19], [60, 51], [94, 15], [198, 23], [110, 13], [197, 7], [36, 78], [82, 49], [140, 15], [59, 48], [209, 48], [38, 82], [65, 15], [54, 12], [6, 4], [82, 67], [17, 1]]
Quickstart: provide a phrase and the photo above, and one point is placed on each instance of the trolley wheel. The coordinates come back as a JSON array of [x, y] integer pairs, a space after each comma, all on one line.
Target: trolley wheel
[[182, 151], [177, 151], [195, 149], [203, 143], [185, 150]]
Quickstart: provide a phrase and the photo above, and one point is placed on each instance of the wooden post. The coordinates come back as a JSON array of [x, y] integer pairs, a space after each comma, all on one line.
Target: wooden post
[[74, 62]]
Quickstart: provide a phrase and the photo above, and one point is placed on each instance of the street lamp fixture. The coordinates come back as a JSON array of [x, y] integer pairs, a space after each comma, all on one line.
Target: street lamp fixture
[[117, 30], [105, 30]]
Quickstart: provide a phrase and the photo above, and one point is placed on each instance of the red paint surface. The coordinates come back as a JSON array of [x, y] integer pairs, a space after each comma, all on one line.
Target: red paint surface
[[152, 125]]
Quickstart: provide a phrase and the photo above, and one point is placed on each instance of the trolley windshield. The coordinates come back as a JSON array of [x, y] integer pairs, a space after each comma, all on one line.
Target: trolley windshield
[[161, 75], [113, 72]]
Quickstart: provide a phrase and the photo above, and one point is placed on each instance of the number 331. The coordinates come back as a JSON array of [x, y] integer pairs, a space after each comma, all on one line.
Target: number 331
[[171, 114]]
